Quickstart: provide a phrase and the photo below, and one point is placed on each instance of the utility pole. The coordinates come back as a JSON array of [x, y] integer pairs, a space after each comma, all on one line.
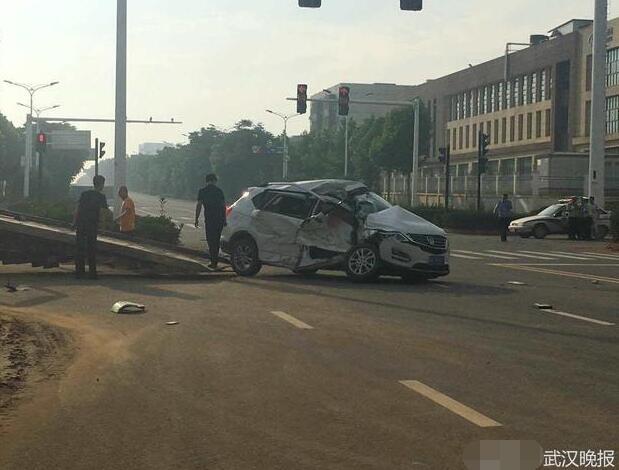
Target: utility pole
[[447, 175], [415, 172], [346, 149], [120, 136], [597, 150]]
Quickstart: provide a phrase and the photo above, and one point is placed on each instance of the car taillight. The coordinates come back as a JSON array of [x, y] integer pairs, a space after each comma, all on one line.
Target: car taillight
[[228, 211]]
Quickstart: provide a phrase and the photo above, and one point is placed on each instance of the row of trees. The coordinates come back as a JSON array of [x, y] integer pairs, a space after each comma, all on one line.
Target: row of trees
[[59, 169], [248, 155]]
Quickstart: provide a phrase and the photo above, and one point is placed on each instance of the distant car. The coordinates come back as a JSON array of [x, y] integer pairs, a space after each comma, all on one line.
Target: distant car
[[553, 220], [333, 225]]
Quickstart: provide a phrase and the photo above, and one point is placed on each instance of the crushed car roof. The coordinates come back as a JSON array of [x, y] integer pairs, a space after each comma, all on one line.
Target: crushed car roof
[[322, 187]]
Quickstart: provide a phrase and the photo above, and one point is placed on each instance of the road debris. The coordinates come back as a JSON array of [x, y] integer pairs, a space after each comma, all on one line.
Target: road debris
[[171, 323], [128, 307], [544, 306], [517, 283]]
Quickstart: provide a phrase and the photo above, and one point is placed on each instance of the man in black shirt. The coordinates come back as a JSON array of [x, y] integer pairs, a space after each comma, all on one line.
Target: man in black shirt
[[86, 223], [214, 202]]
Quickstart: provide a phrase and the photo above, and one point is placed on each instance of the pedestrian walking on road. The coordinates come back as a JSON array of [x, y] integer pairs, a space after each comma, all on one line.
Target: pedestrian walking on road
[[503, 210], [588, 213], [573, 212], [86, 223], [212, 199], [126, 219]]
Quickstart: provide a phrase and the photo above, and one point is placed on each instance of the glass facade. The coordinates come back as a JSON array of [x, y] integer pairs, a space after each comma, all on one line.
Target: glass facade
[[612, 115], [612, 67]]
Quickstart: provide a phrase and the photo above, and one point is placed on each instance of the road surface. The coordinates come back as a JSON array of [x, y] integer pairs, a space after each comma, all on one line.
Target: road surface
[[286, 372]]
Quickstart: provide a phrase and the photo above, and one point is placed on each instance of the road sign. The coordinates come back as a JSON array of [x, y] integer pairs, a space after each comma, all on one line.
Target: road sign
[[69, 140]]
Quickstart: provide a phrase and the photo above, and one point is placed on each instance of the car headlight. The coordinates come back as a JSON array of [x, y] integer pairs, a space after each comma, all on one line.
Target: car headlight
[[397, 236]]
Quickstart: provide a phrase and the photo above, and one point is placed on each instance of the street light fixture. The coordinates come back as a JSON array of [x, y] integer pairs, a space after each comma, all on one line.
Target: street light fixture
[[285, 118], [31, 89], [38, 111]]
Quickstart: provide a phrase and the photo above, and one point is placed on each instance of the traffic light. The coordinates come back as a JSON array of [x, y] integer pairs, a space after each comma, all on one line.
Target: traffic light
[[301, 98], [101, 151], [344, 100], [443, 154], [411, 5], [41, 142], [484, 142], [310, 3]]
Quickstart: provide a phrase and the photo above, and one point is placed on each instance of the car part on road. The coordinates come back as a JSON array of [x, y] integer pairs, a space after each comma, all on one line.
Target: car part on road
[[171, 323], [244, 256], [128, 307], [363, 263], [517, 283], [540, 231], [543, 306]]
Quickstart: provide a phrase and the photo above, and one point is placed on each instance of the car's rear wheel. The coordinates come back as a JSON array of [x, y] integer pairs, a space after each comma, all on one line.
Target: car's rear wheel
[[525, 235], [244, 257], [363, 263], [540, 231], [601, 232]]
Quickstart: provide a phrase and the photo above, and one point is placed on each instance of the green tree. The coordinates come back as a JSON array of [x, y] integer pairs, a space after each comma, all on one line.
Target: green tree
[[11, 149]]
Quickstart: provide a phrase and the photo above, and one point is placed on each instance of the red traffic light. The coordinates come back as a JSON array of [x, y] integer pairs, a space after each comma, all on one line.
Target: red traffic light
[[41, 138], [301, 98], [344, 100]]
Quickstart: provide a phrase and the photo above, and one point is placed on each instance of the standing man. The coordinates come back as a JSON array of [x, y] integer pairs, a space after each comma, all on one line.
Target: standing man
[[503, 210], [214, 202], [126, 219], [572, 218], [86, 223]]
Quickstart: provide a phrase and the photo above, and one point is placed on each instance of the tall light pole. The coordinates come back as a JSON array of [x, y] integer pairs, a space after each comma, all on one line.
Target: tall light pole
[[31, 89], [415, 172], [597, 149], [120, 131], [285, 118], [39, 111]]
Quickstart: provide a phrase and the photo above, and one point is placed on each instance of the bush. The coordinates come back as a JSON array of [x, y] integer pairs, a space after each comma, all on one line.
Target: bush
[[459, 219], [161, 229], [61, 211]]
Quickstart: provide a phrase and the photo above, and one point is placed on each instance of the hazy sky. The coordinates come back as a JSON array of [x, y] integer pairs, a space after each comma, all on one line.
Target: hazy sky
[[218, 61]]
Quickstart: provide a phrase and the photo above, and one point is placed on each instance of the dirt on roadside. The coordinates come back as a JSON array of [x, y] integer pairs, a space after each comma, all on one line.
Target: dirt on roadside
[[30, 352]]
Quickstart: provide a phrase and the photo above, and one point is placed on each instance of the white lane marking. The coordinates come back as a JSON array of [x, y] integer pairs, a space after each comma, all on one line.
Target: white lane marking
[[597, 265], [578, 317], [569, 253], [456, 255], [535, 269], [452, 405], [603, 256], [558, 255], [520, 255], [486, 255], [292, 320]]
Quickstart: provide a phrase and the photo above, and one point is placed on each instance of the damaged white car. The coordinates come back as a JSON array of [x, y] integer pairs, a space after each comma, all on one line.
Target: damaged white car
[[332, 225]]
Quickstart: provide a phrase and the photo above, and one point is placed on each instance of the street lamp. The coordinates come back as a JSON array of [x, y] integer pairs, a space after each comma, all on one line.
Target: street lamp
[[31, 89], [285, 118], [38, 111]]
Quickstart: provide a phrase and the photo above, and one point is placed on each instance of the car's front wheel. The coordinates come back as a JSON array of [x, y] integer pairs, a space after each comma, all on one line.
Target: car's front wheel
[[244, 257], [363, 263], [540, 231]]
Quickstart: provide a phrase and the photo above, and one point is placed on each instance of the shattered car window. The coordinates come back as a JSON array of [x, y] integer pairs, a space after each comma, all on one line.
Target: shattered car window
[[370, 203]]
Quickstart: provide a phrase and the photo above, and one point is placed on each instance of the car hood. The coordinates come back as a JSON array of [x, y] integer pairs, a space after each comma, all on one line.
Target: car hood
[[397, 219], [533, 218]]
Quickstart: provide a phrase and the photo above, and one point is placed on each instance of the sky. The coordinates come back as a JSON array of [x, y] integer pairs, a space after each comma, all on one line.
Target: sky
[[219, 61]]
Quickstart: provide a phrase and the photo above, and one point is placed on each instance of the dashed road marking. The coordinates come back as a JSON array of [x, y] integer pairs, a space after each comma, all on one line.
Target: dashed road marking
[[485, 255], [537, 269], [578, 317], [603, 256], [292, 320], [521, 255], [452, 405], [557, 255], [456, 255]]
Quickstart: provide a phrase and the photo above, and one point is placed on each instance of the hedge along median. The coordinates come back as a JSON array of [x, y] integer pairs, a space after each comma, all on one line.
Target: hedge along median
[[464, 220], [160, 229], [614, 220]]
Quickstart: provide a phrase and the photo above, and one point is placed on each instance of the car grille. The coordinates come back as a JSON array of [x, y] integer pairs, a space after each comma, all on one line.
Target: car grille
[[434, 242]]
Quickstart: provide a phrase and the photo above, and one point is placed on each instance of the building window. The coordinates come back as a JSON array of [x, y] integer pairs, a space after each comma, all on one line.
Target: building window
[[467, 136], [612, 115], [504, 130], [529, 126], [489, 129], [472, 102], [525, 90], [461, 138], [501, 97], [543, 85], [454, 138], [485, 106], [534, 88], [548, 122], [520, 126], [550, 84], [612, 67], [480, 101], [508, 95], [493, 99], [589, 72], [496, 131], [512, 128], [474, 135], [538, 124], [517, 92]]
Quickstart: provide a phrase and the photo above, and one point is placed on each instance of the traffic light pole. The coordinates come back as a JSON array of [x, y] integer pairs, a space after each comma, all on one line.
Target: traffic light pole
[[447, 176], [415, 172], [346, 149], [97, 157], [479, 157], [597, 150], [120, 132]]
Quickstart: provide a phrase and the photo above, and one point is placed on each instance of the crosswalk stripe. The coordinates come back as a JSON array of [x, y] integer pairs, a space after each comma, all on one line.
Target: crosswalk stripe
[[485, 255], [557, 255], [520, 255], [456, 255], [578, 317], [536, 269], [569, 253], [602, 255], [292, 320]]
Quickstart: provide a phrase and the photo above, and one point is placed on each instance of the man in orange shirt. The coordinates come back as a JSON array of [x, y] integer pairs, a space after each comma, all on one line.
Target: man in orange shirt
[[126, 219]]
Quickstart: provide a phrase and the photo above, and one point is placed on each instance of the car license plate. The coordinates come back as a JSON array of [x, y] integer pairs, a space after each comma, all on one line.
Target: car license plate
[[437, 260]]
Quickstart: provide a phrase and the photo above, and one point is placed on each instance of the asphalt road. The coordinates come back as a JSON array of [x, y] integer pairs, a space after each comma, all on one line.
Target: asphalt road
[[286, 372]]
